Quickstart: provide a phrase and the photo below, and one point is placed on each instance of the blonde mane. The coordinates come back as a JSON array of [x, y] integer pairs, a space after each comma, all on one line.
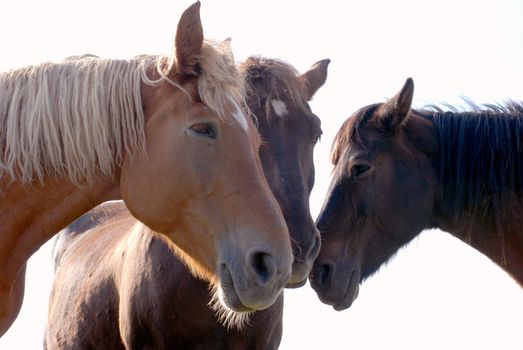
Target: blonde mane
[[78, 118], [72, 119]]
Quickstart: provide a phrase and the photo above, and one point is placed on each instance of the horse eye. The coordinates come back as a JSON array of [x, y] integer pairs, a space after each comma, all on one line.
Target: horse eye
[[204, 129], [359, 170]]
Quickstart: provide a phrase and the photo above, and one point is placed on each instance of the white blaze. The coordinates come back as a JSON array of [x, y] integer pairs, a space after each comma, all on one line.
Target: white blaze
[[280, 108], [239, 115]]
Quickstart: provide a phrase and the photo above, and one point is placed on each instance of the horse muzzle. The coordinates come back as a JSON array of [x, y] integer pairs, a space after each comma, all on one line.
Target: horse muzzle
[[335, 286], [255, 285]]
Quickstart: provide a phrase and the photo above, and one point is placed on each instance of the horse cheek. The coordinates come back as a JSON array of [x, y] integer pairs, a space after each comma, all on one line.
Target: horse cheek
[[144, 185]]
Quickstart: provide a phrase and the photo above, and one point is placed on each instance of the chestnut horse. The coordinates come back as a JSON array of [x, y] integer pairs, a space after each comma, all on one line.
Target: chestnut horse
[[398, 171], [126, 289], [87, 130]]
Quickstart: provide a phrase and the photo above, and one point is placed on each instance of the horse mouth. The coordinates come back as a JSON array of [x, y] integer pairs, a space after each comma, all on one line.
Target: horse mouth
[[229, 295], [300, 273], [293, 285], [350, 295]]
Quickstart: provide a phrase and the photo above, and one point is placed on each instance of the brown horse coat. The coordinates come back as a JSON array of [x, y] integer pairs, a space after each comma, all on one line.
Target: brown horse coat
[[120, 286], [399, 171], [80, 132]]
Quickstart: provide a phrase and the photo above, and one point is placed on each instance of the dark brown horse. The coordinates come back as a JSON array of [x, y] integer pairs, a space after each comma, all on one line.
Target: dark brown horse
[[117, 287], [398, 171]]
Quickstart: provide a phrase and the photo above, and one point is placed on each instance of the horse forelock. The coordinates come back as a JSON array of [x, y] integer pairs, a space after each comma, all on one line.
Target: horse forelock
[[280, 82], [74, 119], [351, 132], [220, 81]]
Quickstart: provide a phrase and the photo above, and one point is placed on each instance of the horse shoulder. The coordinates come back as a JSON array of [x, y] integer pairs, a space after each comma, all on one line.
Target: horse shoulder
[[86, 277], [155, 288]]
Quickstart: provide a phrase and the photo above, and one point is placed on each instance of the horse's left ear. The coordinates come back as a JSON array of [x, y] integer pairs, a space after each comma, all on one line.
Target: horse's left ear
[[315, 77], [189, 40], [395, 111]]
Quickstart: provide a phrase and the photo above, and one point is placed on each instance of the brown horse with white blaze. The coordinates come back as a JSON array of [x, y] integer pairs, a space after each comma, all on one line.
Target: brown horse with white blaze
[[289, 131], [398, 171], [84, 131], [127, 288]]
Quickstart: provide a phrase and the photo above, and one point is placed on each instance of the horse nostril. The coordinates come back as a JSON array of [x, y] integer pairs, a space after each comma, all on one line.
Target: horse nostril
[[324, 274], [315, 247], [263, 266]]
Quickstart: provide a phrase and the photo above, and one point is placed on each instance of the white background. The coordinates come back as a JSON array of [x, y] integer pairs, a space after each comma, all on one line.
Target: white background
[[437, 293]]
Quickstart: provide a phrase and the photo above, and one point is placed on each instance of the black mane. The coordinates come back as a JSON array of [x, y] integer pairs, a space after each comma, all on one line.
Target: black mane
[[481, 159]]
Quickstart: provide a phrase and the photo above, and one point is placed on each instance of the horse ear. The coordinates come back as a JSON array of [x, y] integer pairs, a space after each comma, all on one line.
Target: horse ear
[[189, 40], [395, 111], [315, 77]]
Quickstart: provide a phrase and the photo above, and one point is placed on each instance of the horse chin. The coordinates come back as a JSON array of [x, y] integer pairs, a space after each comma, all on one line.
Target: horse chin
[[241, 294], [294, 285], [350, 294], [228, 294], [229, 318], [300, 272], [336, 289]]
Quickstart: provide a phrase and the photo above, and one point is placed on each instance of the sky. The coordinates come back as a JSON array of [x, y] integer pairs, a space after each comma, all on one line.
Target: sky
[[437, 293]]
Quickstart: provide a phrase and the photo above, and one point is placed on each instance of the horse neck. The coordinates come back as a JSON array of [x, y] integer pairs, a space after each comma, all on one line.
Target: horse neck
[[503, 248], [32, 214], [480, 198]]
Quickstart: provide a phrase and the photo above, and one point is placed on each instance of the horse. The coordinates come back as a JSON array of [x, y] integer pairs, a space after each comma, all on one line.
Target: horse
[[398, 171], [86, 130], [149, 298]]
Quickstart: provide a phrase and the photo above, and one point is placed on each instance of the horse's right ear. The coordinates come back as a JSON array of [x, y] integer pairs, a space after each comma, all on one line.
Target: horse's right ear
[[189, 41], [395, 111], [315, 77]]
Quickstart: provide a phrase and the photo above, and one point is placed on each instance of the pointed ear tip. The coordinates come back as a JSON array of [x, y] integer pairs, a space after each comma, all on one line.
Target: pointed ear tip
[[408, 87], [194, 7], [323, 63], [191, 13]]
